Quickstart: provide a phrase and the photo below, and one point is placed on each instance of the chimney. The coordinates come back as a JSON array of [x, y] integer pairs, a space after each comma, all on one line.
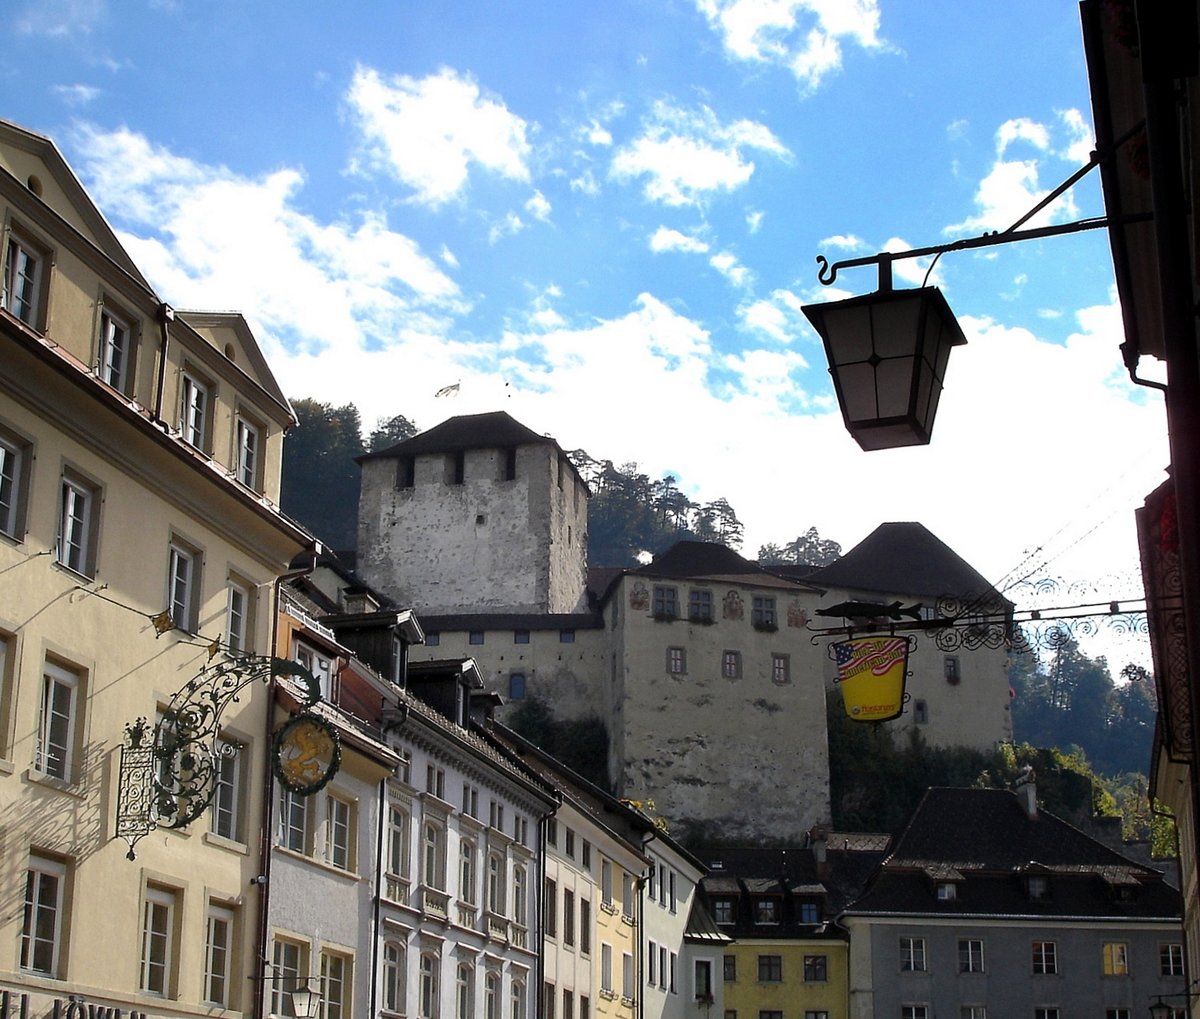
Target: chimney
[[818, 839], [1026, 790]]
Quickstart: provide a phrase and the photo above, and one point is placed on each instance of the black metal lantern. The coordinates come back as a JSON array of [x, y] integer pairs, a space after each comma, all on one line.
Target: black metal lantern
[[887, 354]]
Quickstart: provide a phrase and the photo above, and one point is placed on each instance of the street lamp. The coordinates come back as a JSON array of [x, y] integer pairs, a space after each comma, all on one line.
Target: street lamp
[[305, 1002]]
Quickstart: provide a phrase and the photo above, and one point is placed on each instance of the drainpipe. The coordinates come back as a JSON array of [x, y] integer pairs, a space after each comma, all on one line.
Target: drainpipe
[[259, 977], [541, 898], [166, 315], [640, 931]]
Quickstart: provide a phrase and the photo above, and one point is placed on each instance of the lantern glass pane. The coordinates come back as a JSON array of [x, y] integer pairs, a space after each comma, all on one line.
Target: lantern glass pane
[[848, 333], [896, 324], [857, 384], [894, 380]]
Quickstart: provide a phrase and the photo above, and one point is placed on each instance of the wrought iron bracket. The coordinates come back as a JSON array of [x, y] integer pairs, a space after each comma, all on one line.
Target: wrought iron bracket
[[169, 770]]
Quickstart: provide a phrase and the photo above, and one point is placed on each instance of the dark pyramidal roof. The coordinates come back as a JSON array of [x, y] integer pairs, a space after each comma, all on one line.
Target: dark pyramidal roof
[[493, 430], [903, 558], [710, 560]]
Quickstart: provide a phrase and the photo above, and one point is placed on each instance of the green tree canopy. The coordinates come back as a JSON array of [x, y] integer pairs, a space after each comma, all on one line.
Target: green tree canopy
[[809, 549]]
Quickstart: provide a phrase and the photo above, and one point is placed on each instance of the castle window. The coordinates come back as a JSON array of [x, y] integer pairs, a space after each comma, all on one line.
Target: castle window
[[920, 712], [731, 664], [406, 472], [762, 613], [510, 465], [456, 467], [676, 661], [475, 637], [951, 670], [516, 686], [566, 636], [433, 639], [665, 602], [780, 670], [520, 636], [700, 605]]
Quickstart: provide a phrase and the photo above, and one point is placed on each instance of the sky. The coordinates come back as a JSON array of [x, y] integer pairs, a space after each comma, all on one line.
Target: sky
[[604, 219]]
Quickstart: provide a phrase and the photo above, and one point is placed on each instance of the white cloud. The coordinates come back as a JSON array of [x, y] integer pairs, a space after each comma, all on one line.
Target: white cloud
[[780, 317], [805, 36], [585, 184], [754, 220], [727, 264], [429, 132], [1022, 129], [847, 242], [1079, 137], [76, 95], [538, 206], [686, 155], [207, 237], [59, 18], [666, 239], [509, 225]]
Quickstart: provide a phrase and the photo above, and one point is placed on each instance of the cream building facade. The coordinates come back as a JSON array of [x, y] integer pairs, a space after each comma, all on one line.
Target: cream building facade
[[139, 543]]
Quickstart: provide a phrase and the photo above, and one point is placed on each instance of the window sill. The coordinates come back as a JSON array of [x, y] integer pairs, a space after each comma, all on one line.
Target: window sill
[[609, 908], [349, 875], [57, 784], [211, 838], [6, 767]]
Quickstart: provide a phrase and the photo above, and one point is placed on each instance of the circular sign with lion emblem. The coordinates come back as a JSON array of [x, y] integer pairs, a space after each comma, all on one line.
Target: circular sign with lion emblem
[[306, 754]]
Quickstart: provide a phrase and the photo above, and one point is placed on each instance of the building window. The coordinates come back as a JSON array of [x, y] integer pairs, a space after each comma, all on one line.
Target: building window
[[246, 456], [568, 917], [23, 278], [491, 996], [606, 882], [950, 669], [393, 976], [496, 895], [470, 800], [428, 1002], [467, 882], [920, 712], [912, 955], [433, 855], [729, 971], [289, 970], [627, 976], [550, 903], [158, 941], [339, 833], [113, 355], [724, 911], [651, 960], [947, 891], [406, 471], [1116, 1013], [808, 912], [77, 526], [1170, 960], [676, 661], [1042, 1012], [1045, 957], [770, 969], [14, 483], [816, 969], [970, 955], [914, 1012], [569, 844], [665, 603], [293, 821], [496, 815], [731, 1013], [972, 1012], [475, 637], [1038, 888], [517, 995], [585, 926], [464, 991], [568, 1009], [585, 855], [731, 664], [766, 910], [183, 586], [435, 781], [520, 636], [702, 979], [218, 955], [548, 1000], [700, 605], [762, 613], [194, 412], [43, 927], [520, 906], [1116, 959], [58, 724], [397, 841], [627, 896], [551, 832], [781, 670], [238, 617], [227, 791], [566, 636], [516, 686], [606, 969], [770, 1013], [815, 1013], [433, 639]]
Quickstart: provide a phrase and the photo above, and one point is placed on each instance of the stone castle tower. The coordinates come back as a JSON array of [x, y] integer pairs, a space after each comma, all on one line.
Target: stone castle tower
[[477, 515]]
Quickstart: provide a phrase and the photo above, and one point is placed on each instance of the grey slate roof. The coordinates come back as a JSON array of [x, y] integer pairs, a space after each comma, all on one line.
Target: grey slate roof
[[903, 558], [709, 560], [493, 430]]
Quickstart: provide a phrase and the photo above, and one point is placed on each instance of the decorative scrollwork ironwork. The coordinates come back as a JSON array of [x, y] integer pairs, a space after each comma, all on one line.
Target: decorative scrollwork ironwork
[[168, 773]]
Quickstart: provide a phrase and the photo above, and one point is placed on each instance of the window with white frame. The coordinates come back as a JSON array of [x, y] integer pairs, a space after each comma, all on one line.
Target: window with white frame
[[700, 605], [319, 663], [606, 882], [335, 986], [781, 669], [1041, 1012], [226, 805], [491, 995], [58, 723], [394, 966], [427, 1002], [568, 918], [651, 960], [495, 883], [1045, 957], [78, 520], [627, 976], [24, 272], [970, 955], [550, 907], [519, 902], [1115, 955], [468, 880], [248, 438], [1170, 960], [194, 411], [972, 1012], [6, 689], [43, 929], [702, 979], [435, 781], [158, 940], [585, 926], [433, 855], [816, 969], [293, 821], [114, 360], [218, 955], [666, 604], [339, 833], [912, 955], [183, 585], [239, 614], [289, 970], [1116, 1013], [676, 661], [517, 1000], [14, 484], [731, 664], [464, 991], [627, 896], [470, 800], [606, 968], [914, 1012]]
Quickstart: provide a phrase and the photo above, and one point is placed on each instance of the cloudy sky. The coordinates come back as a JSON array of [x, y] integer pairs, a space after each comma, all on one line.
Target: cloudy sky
[[604, 219]]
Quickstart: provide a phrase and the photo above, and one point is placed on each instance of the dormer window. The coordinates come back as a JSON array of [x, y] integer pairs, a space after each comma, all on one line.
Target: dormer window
[[947, 891], [724, 911], [1037, 887], [809, 912], [766, 910]]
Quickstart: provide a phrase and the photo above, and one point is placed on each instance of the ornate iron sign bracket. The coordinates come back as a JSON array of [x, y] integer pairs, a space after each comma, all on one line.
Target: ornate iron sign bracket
[[169, 770]]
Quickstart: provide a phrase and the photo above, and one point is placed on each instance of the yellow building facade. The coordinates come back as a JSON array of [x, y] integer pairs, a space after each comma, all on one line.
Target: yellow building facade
[[786, 978], [139, 544]]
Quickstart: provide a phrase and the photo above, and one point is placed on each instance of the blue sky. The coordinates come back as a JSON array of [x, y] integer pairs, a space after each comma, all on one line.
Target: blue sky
[[604, 219]]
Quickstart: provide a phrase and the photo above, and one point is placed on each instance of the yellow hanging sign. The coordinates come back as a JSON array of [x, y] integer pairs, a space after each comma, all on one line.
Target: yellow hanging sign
[[872, 673]]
